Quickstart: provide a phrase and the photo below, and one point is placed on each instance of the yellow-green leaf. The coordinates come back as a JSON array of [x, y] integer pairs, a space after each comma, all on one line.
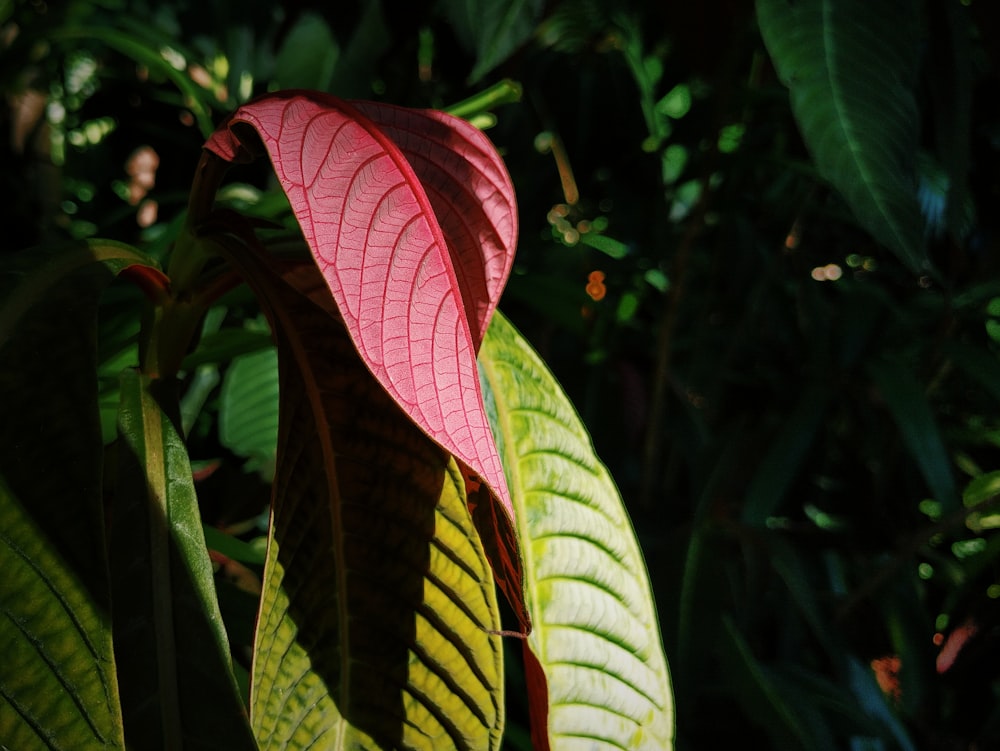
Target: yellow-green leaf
[[596, 636]]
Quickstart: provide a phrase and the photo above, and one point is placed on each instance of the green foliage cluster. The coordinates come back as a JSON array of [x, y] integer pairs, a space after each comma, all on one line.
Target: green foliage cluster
[[758, 247]]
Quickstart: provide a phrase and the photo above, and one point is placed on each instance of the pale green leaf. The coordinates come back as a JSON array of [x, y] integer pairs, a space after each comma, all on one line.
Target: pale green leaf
[[850, 66], [596, 634]]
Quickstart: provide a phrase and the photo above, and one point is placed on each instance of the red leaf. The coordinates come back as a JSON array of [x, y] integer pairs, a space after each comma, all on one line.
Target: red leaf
[[415, 299]]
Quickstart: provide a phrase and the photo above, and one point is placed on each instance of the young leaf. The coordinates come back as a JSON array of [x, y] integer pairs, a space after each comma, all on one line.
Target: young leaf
[[596, 635], [57, 686], [375, 236], [378, 617], [172, 647], [850, 66]]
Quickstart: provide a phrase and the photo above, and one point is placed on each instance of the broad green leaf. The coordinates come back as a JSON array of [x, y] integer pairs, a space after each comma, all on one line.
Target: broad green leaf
[[248, 408], [227, 344], [174, 669], [850, 66], [918, 429], [493, 29], [596, 634], [57, 687], [378, 622]]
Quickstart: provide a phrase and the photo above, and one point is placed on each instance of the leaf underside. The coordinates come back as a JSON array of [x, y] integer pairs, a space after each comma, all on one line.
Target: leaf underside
[[374, 232], [850, 66], [378, 610], [595, 634]]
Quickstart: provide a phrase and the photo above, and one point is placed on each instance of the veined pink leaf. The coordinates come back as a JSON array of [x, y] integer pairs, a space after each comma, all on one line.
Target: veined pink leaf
[[375, 234], [472, 195]]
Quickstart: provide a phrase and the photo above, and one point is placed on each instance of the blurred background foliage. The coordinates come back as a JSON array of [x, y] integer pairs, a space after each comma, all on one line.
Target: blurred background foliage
[[804, 423]]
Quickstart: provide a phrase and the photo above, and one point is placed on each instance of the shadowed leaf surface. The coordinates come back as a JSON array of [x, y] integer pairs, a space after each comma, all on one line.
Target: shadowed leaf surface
[[595, 634], [57, 687], [172, 649], [378, 601]]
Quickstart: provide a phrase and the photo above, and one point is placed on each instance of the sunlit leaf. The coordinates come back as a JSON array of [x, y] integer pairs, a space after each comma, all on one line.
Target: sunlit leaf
[[596, 634], [172, 649], [388, 262], [378, 615], [851, 66]]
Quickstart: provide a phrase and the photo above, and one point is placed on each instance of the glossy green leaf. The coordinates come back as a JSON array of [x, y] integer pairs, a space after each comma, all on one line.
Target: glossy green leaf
[[850, 66], [57, 687], [494, 30], [918, 429], [596, 634], [172, 649], [378, 617]]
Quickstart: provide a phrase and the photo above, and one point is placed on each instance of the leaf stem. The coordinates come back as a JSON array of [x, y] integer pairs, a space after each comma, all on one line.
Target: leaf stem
[[502, 92]]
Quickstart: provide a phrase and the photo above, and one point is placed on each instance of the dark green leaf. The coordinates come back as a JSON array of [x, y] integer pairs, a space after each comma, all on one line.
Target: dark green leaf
[[57, 687], [493, 30], [850, 66], [781, 463], [307, 57], [918, 429]]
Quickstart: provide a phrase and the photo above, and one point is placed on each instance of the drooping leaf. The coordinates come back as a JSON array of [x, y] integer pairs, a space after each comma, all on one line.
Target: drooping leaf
[[596, 635], [378, 618], [493, 30], [388, 265], [850, 66], [172, 649], [57, 686]]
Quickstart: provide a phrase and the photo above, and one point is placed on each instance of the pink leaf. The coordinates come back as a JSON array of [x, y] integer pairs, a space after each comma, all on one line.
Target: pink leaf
[[415, 319], [472, 196]]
